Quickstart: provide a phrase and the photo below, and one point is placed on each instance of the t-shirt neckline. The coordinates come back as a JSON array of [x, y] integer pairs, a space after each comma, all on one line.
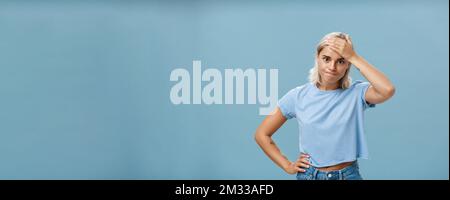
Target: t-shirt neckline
[[325, 91]]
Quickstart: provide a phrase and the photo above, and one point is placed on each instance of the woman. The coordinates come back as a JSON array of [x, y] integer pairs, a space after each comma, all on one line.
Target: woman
[[329, 111]]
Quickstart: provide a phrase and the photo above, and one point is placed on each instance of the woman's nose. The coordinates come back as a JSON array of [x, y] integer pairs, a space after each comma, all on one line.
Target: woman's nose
[[332, 66]]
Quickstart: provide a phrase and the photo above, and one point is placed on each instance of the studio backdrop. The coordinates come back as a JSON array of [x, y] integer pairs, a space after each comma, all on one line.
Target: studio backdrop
[[91, 89]]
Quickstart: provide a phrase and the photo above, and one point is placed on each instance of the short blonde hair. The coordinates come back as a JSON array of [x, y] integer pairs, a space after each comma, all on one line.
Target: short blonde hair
[[314, 76]]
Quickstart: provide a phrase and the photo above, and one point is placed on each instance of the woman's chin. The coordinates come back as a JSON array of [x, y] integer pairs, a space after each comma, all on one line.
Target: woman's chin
[[329, 81]]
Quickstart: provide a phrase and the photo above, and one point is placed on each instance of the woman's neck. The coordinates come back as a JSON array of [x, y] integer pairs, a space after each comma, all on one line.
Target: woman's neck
[[332, 86]]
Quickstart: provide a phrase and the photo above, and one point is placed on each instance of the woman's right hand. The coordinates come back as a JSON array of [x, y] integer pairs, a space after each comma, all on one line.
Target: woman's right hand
[[301, 162]]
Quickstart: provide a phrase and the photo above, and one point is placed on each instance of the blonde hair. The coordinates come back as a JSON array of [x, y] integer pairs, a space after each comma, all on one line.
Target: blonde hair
[[314, 76]]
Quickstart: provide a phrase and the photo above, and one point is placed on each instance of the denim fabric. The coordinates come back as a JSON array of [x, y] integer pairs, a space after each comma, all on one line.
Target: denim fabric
[[348, 173]]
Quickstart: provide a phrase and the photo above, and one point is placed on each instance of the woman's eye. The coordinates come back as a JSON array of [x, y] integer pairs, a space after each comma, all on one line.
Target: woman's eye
[[326, 59], [341, 62]]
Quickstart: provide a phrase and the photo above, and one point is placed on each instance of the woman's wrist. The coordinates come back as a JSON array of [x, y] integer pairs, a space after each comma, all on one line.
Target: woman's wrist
[[286, 166], [354, 60]]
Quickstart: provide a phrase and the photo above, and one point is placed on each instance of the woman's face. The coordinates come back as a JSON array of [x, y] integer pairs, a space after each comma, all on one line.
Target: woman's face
[[332, 66]]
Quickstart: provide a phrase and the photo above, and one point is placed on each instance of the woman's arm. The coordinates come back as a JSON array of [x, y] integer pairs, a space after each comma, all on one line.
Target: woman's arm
[[381, 88], [263, 137]]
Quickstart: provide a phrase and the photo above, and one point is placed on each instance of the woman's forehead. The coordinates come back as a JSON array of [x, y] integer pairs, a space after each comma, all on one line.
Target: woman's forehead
[[326, 51]]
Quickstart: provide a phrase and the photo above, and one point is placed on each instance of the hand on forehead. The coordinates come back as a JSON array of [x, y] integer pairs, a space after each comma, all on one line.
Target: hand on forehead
[[331, 53], [335, 40]]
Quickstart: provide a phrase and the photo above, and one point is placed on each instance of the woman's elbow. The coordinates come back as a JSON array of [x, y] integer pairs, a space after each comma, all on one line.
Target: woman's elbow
[[259, 137], [390, 91], [386, 93]]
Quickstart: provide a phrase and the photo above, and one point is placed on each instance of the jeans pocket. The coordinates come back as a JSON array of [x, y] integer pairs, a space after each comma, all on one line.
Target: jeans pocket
[[355, 175], [304, 176]]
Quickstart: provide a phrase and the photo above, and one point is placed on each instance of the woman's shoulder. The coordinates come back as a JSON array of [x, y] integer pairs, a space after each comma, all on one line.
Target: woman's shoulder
[[297, 91], [301, 88], [359, 84]]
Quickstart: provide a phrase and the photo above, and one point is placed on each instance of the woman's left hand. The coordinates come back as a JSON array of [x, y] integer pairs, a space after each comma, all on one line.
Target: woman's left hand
[[342, 47]]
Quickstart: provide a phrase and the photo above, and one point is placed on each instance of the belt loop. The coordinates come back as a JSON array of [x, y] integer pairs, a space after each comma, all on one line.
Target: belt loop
[[341, 176], [315, 174]]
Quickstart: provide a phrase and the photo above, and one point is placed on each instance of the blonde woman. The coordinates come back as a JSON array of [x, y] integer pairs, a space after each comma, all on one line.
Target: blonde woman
[[330, 114]]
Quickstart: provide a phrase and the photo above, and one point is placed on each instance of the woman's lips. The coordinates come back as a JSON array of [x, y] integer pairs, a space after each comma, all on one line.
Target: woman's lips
[[330, 74]]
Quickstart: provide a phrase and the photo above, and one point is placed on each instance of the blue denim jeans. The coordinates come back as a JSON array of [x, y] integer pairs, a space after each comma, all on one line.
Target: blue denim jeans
[[348, 173]]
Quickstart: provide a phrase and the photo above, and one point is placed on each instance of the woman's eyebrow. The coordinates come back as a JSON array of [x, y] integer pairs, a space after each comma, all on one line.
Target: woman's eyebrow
[[339, 59]]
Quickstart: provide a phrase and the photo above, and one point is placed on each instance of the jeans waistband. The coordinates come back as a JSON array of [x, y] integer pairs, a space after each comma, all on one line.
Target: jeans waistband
[[315, 171]]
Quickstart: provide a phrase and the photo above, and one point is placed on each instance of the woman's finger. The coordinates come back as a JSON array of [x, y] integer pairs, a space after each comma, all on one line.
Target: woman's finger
[[305, 162], [338, 48], [332, 44], [301, 165], [304, 159], [338, 51], [300, 169], [332, 39], [339, 45], [304, 156], [339, 42], [349, 40]]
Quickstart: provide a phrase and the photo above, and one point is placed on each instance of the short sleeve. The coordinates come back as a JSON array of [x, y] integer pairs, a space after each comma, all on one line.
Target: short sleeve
[[287, 103], [363, 89]]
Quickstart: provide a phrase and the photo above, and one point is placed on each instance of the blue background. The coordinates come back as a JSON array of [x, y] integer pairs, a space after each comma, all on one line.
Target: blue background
[[84, 85]]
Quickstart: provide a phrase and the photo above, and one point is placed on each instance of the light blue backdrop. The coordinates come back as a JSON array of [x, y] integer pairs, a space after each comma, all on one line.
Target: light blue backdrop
[[84, 85]]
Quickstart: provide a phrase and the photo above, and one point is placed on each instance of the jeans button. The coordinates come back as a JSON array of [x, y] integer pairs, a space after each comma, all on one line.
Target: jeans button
[[329, 175]]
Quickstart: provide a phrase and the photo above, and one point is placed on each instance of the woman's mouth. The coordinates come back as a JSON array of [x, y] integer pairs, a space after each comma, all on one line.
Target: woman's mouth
[[330, 74]]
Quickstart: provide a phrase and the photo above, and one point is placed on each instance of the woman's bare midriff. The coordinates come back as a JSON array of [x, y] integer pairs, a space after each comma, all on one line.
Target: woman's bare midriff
[[335, 167]]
